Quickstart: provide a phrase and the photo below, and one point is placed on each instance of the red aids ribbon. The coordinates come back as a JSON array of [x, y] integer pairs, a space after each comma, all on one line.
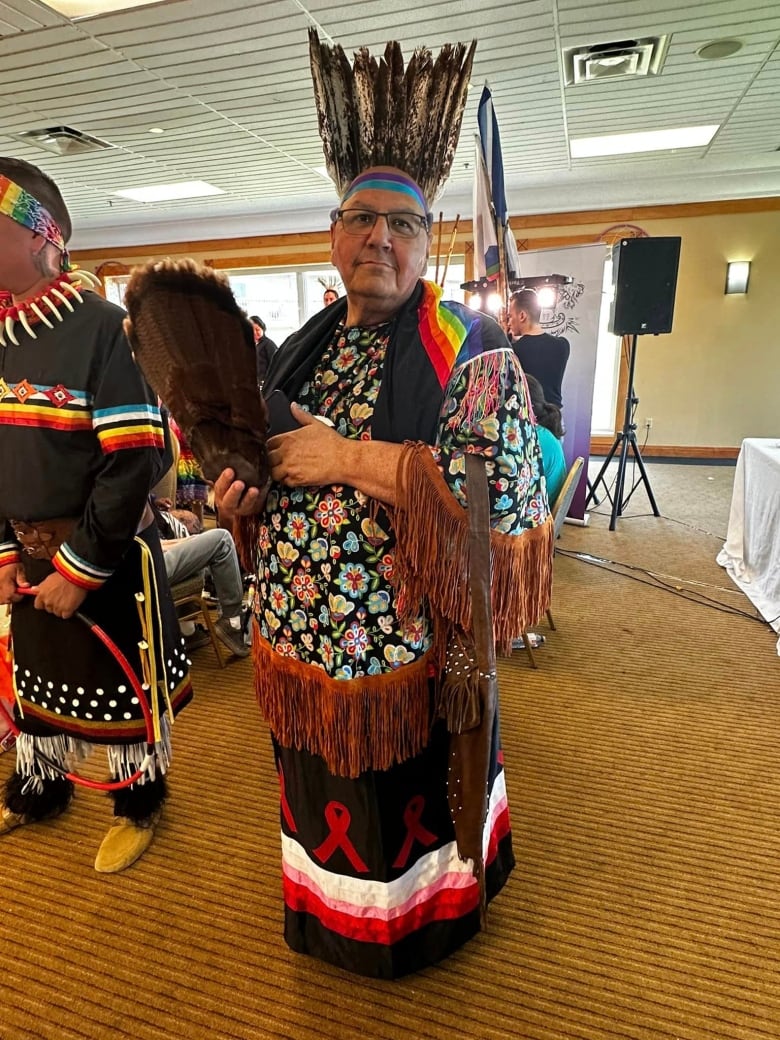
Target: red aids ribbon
[[289, 819], [414, 831], [338, 818]]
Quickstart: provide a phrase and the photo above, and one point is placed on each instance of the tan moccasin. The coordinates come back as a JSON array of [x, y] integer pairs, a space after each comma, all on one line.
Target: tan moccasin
[[125, 842], [9, 821]]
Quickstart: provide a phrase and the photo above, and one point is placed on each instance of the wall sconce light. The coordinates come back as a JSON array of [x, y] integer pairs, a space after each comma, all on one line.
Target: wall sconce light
[[737, 276]]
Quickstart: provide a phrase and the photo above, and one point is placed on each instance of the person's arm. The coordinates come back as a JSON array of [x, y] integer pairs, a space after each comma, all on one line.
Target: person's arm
[[486, 413], [127, 423], [315, 455]]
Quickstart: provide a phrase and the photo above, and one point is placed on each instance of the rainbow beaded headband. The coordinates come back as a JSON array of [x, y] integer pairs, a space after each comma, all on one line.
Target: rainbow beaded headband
[[386, 181], [26, 210]]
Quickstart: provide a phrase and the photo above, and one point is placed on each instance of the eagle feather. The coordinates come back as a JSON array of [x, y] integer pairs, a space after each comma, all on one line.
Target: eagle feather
[[376, 113]]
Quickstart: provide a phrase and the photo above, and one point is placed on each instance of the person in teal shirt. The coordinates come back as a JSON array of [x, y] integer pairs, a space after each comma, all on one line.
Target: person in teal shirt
[[549, 431]]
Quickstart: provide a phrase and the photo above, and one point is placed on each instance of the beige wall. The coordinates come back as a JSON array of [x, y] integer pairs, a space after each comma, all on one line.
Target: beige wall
[[711, 382], [716, 378]]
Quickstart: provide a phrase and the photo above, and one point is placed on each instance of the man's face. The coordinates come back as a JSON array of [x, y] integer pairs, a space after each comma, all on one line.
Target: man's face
[[517, 320], [329, 297], [376, 267], [17, 245]]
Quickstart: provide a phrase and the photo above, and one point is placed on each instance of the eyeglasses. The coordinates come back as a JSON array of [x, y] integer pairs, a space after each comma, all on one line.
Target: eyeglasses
[[399, 224]]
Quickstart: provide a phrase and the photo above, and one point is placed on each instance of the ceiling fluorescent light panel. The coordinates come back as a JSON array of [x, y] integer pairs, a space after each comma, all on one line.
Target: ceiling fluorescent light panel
[[168, 192], [91, 8], [645, 141]]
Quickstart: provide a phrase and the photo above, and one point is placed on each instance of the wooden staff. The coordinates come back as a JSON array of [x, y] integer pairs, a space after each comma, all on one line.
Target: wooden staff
[[449, 251], [503, 274], [438, 245]]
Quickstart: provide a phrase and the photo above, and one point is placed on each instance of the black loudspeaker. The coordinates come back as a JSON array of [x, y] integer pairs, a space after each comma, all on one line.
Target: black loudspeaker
[[644, 276]]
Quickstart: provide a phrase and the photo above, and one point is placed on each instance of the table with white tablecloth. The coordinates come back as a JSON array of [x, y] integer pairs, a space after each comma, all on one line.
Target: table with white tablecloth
[[751, 554]]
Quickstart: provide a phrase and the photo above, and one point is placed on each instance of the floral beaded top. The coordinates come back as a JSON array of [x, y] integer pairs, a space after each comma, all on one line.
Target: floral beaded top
[[326, 553]]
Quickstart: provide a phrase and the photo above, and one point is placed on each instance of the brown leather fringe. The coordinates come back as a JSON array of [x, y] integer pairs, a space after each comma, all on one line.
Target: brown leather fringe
[[432, 557], [246, 531], [356, 724]]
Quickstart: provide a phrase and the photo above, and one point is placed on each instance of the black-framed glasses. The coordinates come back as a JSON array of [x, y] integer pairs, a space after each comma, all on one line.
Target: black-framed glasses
[[400, 224]]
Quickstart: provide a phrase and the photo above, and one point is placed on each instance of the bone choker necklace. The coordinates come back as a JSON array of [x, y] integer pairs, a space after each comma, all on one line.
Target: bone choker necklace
[[62, 291]]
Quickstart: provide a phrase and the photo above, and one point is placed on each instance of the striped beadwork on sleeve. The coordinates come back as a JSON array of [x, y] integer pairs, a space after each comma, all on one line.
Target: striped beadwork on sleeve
[[9, 553], [78, 571], [128, 426]]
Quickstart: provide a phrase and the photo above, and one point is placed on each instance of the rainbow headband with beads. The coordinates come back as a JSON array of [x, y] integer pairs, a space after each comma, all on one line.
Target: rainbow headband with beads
[[26, 210], [386, 181]]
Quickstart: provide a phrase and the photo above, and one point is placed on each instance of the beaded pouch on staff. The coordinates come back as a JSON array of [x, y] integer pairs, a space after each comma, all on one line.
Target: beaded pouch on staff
[[458, 698]]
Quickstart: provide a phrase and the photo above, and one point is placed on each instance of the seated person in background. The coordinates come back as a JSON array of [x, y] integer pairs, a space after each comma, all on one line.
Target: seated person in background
[[549, 431], [186, 556], [329, 296], [186, 521], [540, 354]]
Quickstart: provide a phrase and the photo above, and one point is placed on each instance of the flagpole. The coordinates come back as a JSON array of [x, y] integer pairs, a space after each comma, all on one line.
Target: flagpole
[[503, 277], [449, 251], [438, 245]]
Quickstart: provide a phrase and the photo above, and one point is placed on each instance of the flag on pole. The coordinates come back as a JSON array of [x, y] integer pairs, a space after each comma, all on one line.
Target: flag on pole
[[490, 140], [486, 259]]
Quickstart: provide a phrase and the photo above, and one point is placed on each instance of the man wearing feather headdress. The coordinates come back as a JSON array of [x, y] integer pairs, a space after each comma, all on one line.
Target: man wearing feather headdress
[[81, 444], [390, 847]]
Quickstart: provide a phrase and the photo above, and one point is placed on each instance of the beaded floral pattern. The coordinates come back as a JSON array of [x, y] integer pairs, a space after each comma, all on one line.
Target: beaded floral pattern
[[326, 553]]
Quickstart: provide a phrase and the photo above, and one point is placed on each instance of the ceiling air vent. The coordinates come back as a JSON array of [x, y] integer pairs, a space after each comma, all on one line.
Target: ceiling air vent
[[62, 140], [618, 59]]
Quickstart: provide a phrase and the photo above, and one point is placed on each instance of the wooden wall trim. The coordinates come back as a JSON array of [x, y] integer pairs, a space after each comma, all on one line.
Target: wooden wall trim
[[636, 214], [320, 240], [288, 245], [602, 445], [296, 259], [307, 239], [559, 241]]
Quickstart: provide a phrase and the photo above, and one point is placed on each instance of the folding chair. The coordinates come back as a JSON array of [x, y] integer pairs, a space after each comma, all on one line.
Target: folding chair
[[190, 606], [559, 510]]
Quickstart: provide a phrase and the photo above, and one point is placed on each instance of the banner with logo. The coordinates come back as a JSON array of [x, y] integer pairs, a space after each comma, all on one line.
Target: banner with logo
[[575, 316]]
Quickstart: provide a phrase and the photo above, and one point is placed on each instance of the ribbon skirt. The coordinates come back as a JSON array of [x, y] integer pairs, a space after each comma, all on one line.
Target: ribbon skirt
[[372, 879]]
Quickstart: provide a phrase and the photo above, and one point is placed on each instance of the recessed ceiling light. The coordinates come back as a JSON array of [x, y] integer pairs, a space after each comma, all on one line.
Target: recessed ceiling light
[[166, 192], [647, 141], [91, 8], [719, 49], [156, 130]]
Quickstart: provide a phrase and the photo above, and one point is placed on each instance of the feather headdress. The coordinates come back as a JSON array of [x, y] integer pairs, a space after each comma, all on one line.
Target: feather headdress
[[375, 113]]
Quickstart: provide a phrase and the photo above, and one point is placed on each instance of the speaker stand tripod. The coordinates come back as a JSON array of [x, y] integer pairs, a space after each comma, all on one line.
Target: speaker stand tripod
[[624, 440]]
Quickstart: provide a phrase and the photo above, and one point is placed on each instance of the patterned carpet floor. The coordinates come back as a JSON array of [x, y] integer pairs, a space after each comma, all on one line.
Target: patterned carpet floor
[[643, 775]]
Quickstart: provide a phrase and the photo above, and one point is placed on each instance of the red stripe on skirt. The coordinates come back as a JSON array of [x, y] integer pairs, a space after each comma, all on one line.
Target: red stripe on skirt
[[443, 905], [446, 905]]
